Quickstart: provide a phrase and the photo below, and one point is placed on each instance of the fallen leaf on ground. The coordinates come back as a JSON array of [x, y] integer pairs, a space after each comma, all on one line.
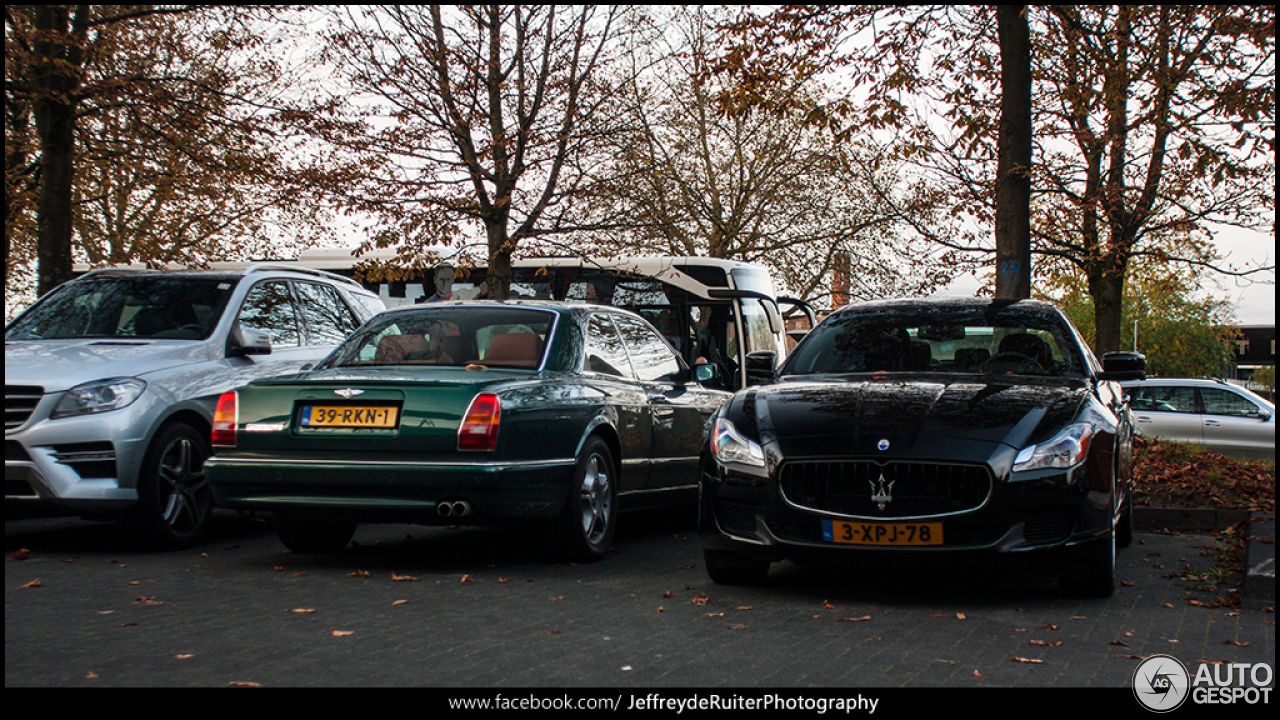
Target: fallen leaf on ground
[[33, 584], [21, 554], [977, 674], [403, 578], [358, 573], [240, 683], [1045, 643], [342, 633], [467, 578], [827, 606], [302, 611], [1029, 661], [854, 619], [701, 600], [960, 616], [1237, 643], [399, 602]]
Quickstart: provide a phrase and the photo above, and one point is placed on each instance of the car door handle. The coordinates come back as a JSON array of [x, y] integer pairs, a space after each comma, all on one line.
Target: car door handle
[[1212, 423], [1144, 419]]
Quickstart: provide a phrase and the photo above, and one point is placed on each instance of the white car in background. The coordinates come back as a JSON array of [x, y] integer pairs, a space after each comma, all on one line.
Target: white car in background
[[111, 381], [1225, 418]]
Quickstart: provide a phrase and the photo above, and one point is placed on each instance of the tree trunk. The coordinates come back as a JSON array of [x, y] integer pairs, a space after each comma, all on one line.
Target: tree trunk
[[498, 277], [1013, 182], [56, 80], [1106, 285]]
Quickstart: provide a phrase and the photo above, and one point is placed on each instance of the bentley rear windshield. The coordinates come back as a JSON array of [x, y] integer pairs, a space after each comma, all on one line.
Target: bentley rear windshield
[[895, 340], [450, 336]]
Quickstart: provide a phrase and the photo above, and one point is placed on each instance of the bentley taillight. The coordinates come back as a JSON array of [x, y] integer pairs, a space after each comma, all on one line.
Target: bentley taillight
[[479, 428], [224, 421]]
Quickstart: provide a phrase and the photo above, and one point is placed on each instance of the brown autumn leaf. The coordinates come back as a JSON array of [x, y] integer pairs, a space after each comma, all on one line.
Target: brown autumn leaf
[[1048, 626], [187, 656], [358, 573], [719, 614], [1166, 605], [701, 600], [977, 674], [342, 633], [557, 598], [555, 632], [1120, 643], [688, 587], [91, 676], [20, 554], [1046, 643], [960, 616], [669, 594], [302, 611], [1029, 661], [399, 602], [124, 625], [33, 584], [1127, 583], [403, 578], [302, 574], [737, 627], [242, 683], [827, 605], [503, 580], [1237, 643], [467, 578], [661, 609], [745, 607], [864, 618]]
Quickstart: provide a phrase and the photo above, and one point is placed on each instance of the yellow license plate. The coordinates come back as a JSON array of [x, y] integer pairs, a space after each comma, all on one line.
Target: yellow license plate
[[860, 533], [349, 416]]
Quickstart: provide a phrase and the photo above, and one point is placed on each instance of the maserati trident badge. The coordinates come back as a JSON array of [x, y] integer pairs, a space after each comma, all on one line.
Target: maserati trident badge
[[881, 491], [348, 393]]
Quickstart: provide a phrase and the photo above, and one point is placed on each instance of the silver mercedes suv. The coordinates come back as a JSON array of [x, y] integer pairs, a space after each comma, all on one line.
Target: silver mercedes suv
[[111, 381]]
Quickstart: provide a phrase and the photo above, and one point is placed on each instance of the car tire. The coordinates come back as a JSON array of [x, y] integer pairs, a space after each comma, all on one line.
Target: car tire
[[313, 537], [1124, 531], [729, 568], [591, 511], [175, 503], [1097, 571]]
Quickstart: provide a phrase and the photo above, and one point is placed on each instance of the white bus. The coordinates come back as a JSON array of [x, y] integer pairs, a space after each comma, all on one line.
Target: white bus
[[712, 310]]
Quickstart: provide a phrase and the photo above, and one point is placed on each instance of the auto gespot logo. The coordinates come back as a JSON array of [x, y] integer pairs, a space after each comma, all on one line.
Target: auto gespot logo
[[1161, 683]]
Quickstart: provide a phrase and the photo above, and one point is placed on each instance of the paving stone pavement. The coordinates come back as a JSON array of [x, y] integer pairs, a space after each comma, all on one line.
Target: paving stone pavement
[[492, 608]]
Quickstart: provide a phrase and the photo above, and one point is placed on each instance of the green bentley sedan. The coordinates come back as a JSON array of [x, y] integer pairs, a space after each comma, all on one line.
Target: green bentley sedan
[[469, 413]]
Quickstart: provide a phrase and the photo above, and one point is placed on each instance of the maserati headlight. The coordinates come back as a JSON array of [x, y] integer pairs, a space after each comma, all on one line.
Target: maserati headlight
[[731, 447], [99, 396], [1066, 449]]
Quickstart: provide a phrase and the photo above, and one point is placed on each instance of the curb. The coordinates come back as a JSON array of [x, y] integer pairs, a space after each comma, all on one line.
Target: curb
[[1259, 590]]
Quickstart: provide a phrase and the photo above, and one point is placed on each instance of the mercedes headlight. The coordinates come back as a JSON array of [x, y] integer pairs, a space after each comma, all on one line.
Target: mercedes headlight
[[99, 396]]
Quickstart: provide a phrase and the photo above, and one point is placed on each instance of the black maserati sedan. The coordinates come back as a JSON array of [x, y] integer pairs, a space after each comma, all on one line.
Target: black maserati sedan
[[945, 431]]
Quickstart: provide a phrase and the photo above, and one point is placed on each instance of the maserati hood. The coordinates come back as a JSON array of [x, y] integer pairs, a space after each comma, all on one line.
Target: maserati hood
[[961, 417]]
